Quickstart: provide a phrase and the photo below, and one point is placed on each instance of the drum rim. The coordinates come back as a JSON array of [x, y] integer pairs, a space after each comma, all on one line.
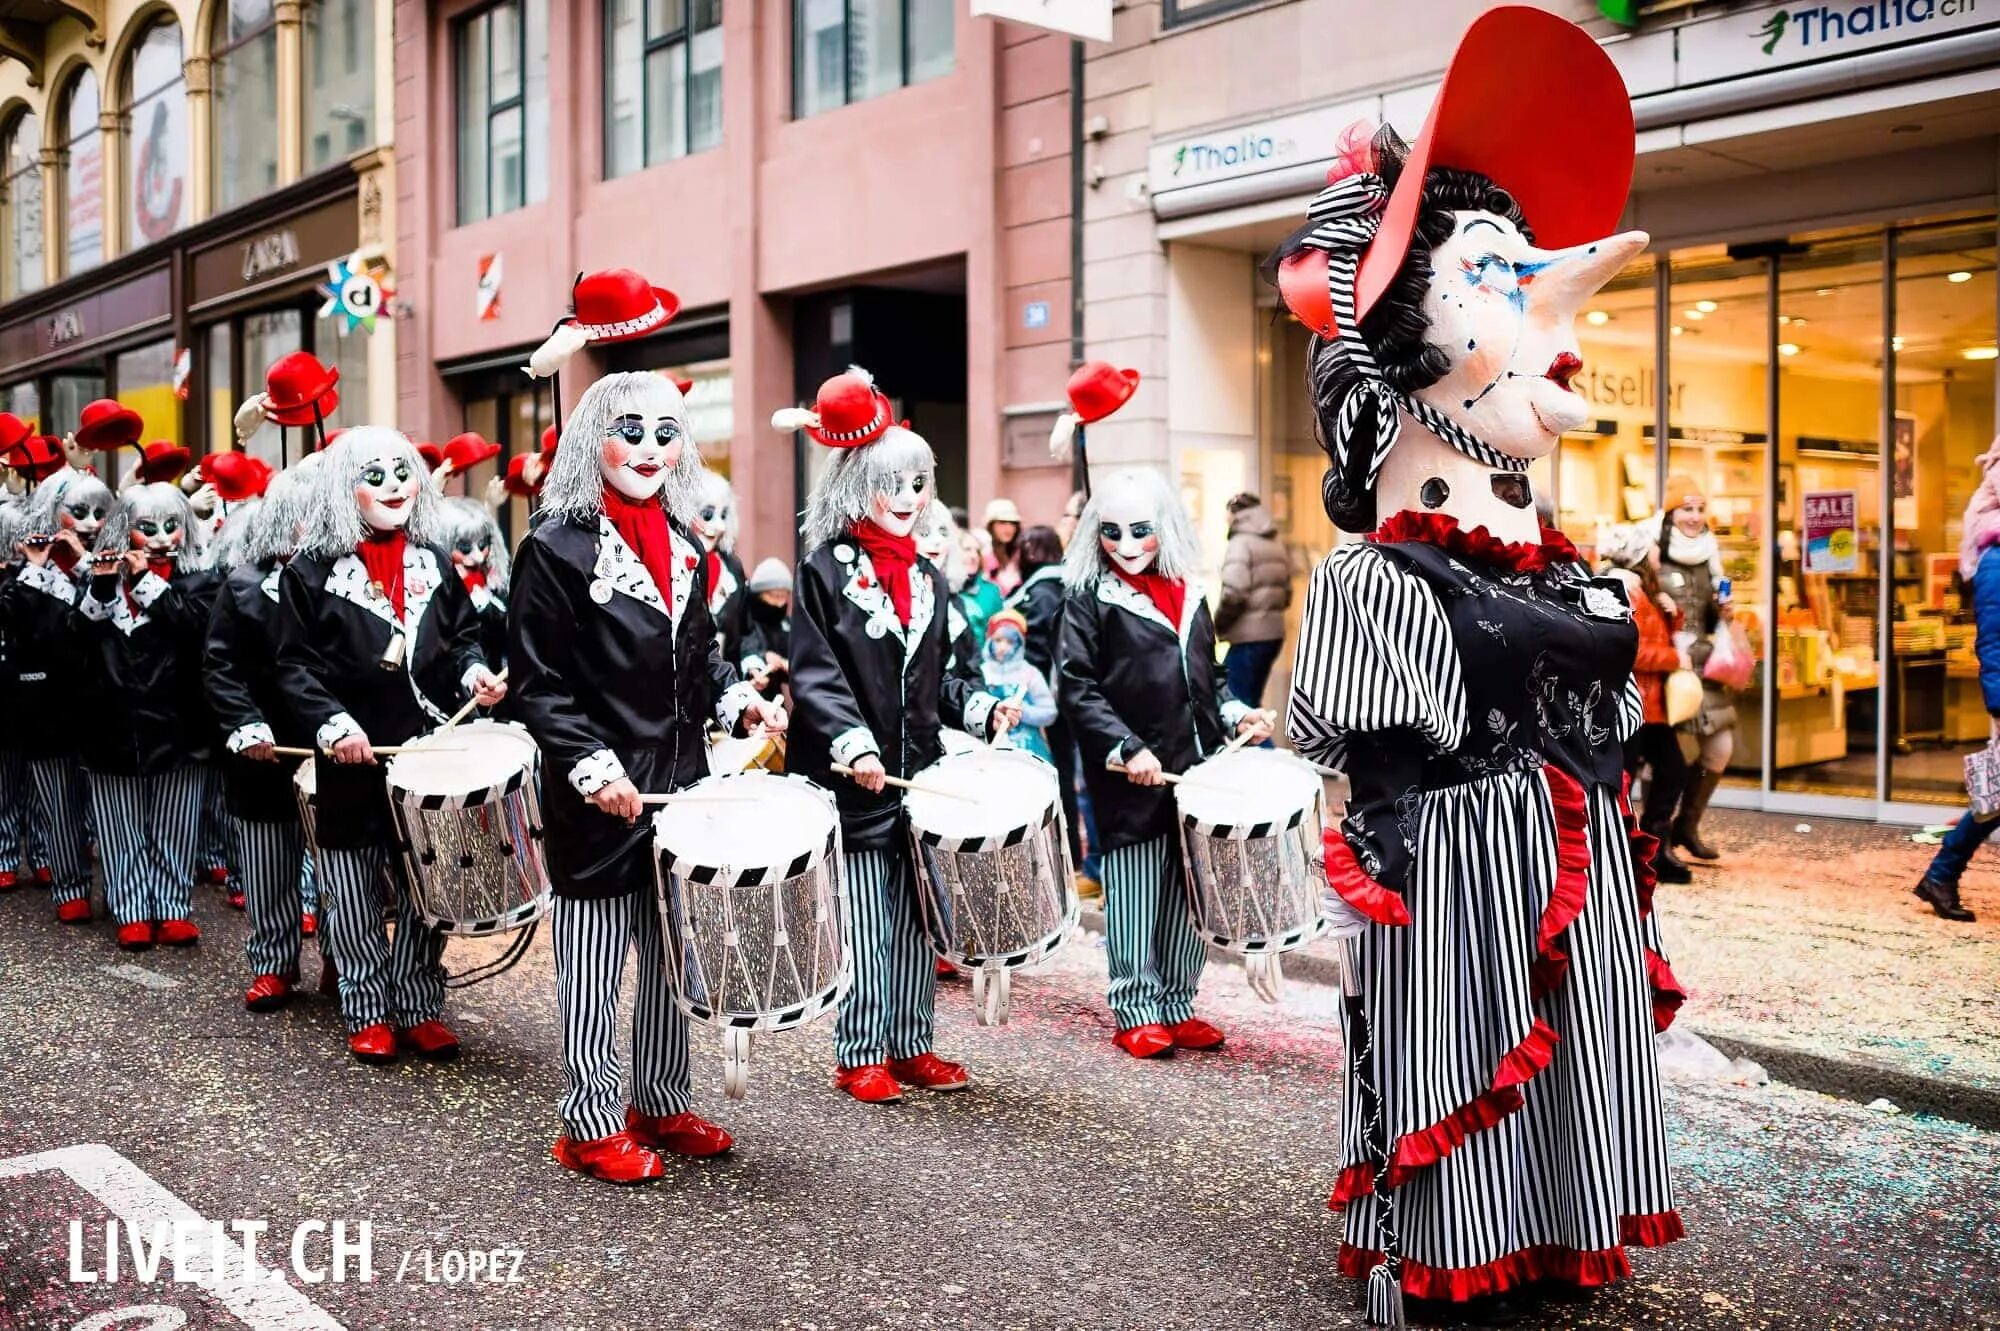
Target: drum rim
[[478, 795], [1010, 836], [711, 875], [1289, 816]]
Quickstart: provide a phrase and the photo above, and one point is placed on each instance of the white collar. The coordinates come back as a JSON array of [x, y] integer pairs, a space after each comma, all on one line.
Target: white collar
[[620, 572], [1114, 590], [348, 579], [865, 590]]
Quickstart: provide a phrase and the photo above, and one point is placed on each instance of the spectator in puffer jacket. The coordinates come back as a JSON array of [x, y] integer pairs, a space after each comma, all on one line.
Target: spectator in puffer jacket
[[1256, 588]]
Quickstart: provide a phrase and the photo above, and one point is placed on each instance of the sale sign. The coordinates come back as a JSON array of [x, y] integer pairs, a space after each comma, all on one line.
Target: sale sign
[[1831, 545]]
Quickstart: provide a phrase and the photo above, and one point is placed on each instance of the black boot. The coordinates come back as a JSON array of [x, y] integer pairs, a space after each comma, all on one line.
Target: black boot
[[1943, 898], [1667, 866], [1694, 805]]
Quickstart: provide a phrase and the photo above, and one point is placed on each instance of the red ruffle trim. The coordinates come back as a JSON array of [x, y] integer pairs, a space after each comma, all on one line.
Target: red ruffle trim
[[1667, 992], [1645, 847], [1547, 1262], [1346, 876], [1443, 531], [1566, 895]]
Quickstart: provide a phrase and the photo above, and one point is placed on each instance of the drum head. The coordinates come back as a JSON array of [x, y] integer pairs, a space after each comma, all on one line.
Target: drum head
[[1248, 786], [743, 823], [475, 758], [726, 757], [1003, 791]]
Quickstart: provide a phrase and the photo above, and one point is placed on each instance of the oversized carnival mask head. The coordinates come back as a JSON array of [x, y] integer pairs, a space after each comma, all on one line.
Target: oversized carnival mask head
[[935, 534], [715, 514], [84, 505], [1129, 530], [900, 467], [1136, 524], [387, 480], [157, 520], [643, 444]]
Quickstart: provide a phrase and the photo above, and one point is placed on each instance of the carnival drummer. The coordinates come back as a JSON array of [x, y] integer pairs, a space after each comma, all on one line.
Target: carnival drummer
[[871, 688], [616, 669], [377, 641]]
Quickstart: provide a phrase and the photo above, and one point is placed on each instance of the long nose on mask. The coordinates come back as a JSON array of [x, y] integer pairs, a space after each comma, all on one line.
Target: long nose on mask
[[1562, 280]]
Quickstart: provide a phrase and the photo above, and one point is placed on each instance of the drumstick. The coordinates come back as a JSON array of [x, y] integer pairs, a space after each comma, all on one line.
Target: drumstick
[[470, 703], [1171, 778], [919, 786], [287, 751]]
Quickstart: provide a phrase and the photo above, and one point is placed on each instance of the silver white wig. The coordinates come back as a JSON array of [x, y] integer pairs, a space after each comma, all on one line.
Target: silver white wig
[[285, 512], [936, 520], [716, 489], [847, 489], [1180, 553], [574, 488], [44, 510], [228, 548], [13, 524], [466, 519], [155, 501], [335, 527]]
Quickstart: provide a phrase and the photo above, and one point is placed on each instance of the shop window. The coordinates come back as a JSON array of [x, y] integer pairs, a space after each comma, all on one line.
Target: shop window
[[663, 85], [847, 50], [68, 392], [340, 79], [503, 100], [266, 337], [220, 395], [24, 400], [245, 73], [21, 207], [506, 411], [156, 145], [82, 177], [1173, 13], [145, 380], [1606, 473]]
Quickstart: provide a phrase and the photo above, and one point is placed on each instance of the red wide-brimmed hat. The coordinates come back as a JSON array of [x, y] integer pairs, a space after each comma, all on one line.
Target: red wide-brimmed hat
[[619, 304], [1533, 103], [463, 452], [162, 461], [432, 454], [550, 438], [295, 385], [525, 474], [108, 424], [1099, 388], [849, 411], [12, 430], [36, 458], [236, 476]]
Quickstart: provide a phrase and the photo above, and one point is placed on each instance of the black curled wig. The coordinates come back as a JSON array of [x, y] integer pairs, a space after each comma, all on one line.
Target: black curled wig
[[1395, 329]]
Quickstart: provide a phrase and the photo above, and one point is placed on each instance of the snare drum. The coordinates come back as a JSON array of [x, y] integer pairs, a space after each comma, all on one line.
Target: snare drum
[[728, 756], [305, 788], [470, 819], [1250, 840], [752, 907], [993, 868]]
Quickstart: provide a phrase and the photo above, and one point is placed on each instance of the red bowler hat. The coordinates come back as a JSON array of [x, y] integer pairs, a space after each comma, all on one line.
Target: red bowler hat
[[1099, 388], [1559, 142], [550, 438], [161, 461], [37, 457], [685, 386], [619, 304], [525, 474], [848, 412], [236, 476], [432, 454], [108, 424], [463, 452], [12, 430], [295, 385]]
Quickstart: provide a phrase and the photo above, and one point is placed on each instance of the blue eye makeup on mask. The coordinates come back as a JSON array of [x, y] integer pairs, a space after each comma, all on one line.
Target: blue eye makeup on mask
[[1111, 531]]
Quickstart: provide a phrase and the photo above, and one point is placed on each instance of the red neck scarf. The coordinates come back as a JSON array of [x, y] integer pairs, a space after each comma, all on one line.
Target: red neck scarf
[[892, 557], [472, 577], [1168, 595], [64, 557], [643, 526], [382, 555], [163, 569]]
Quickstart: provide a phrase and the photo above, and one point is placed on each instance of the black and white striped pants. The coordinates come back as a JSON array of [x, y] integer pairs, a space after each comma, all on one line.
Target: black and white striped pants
[[1156, 956], [889, 1012], [270, 859], [20, 850], [399, 982], [147, 828], [213, 850], [591, 940], [62, 802]]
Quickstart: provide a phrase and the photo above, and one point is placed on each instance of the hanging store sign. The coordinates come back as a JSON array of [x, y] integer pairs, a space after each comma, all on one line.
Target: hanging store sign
[[356, 291], [1088, 19], [1774, 36], [1248, 150], [486, 301]]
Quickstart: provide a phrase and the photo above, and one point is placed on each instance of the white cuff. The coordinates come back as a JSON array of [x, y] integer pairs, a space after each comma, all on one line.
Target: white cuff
[[595, 772], [729, 707], [49, 581], [148, 590], [94, 610], [751, 665], [339, 728], [243, 737], [851, 744], [1118, 757], [979, 713], [470, 677], [1233, 713]]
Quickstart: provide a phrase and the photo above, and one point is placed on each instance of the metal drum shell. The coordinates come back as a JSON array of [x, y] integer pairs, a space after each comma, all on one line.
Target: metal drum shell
[[1254, 887], [305, 788], [499, 880]]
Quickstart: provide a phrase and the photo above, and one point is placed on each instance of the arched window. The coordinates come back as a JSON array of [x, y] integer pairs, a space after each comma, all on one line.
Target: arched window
[[21, 203], [246, 102], [156, 137], [340, 80], [82, 177]]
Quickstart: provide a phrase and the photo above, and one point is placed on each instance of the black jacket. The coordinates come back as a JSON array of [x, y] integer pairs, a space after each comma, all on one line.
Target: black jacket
[[49, 687], [599, 665], [492, 612], [766, 628], [862, 683], [147, 715], [1040, 601], [244, 693], [1129, 682], [332, 633]]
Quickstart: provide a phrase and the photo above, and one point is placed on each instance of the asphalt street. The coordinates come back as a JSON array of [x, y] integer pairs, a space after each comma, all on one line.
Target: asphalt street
[[1070, 1187]]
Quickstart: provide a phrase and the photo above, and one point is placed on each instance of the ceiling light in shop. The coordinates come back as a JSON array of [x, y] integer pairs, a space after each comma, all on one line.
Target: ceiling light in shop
[[1960, 276], [1788, 348], [1895, 344], [1784, 319], [1705, 306], [1695, 314], [1982, 353], [1824, 291], [1597, 318], [1677, 330]]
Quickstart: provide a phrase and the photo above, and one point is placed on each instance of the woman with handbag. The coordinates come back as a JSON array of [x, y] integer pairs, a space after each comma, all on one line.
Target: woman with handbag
[[1634, 558], [1691, 573]]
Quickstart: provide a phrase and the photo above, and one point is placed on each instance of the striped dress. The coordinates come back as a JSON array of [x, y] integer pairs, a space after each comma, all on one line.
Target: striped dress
[[1476, 695]]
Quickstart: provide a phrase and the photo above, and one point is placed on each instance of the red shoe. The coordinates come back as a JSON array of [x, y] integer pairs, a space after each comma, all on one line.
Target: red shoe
[[929, 1072], [619, 1158], [1194, 1033], [945, 969], [43, 876], [74, 912], [268, 993], [373, 1044], [235, 897], [9, 880], [177, 933], [216, 875], [871, 1084], [1148, 1041], [309, 925], [136, 936], [432, 1040], [683, 1134]]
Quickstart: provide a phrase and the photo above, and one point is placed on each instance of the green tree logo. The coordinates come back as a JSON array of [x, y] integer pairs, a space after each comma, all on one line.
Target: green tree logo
[[1774, 28], [1180, 158]]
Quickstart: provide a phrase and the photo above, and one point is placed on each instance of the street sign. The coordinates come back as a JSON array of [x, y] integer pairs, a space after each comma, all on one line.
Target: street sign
[[1035, 314], [1088, 19]]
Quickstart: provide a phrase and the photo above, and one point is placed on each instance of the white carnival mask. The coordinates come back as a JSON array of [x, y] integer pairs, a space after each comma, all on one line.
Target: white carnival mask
[[386, 488], [159, 536], [934, 535], [641, 448], [1504, 312], [1128, 531], [84, 510], [711, 519], [896, 510]]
